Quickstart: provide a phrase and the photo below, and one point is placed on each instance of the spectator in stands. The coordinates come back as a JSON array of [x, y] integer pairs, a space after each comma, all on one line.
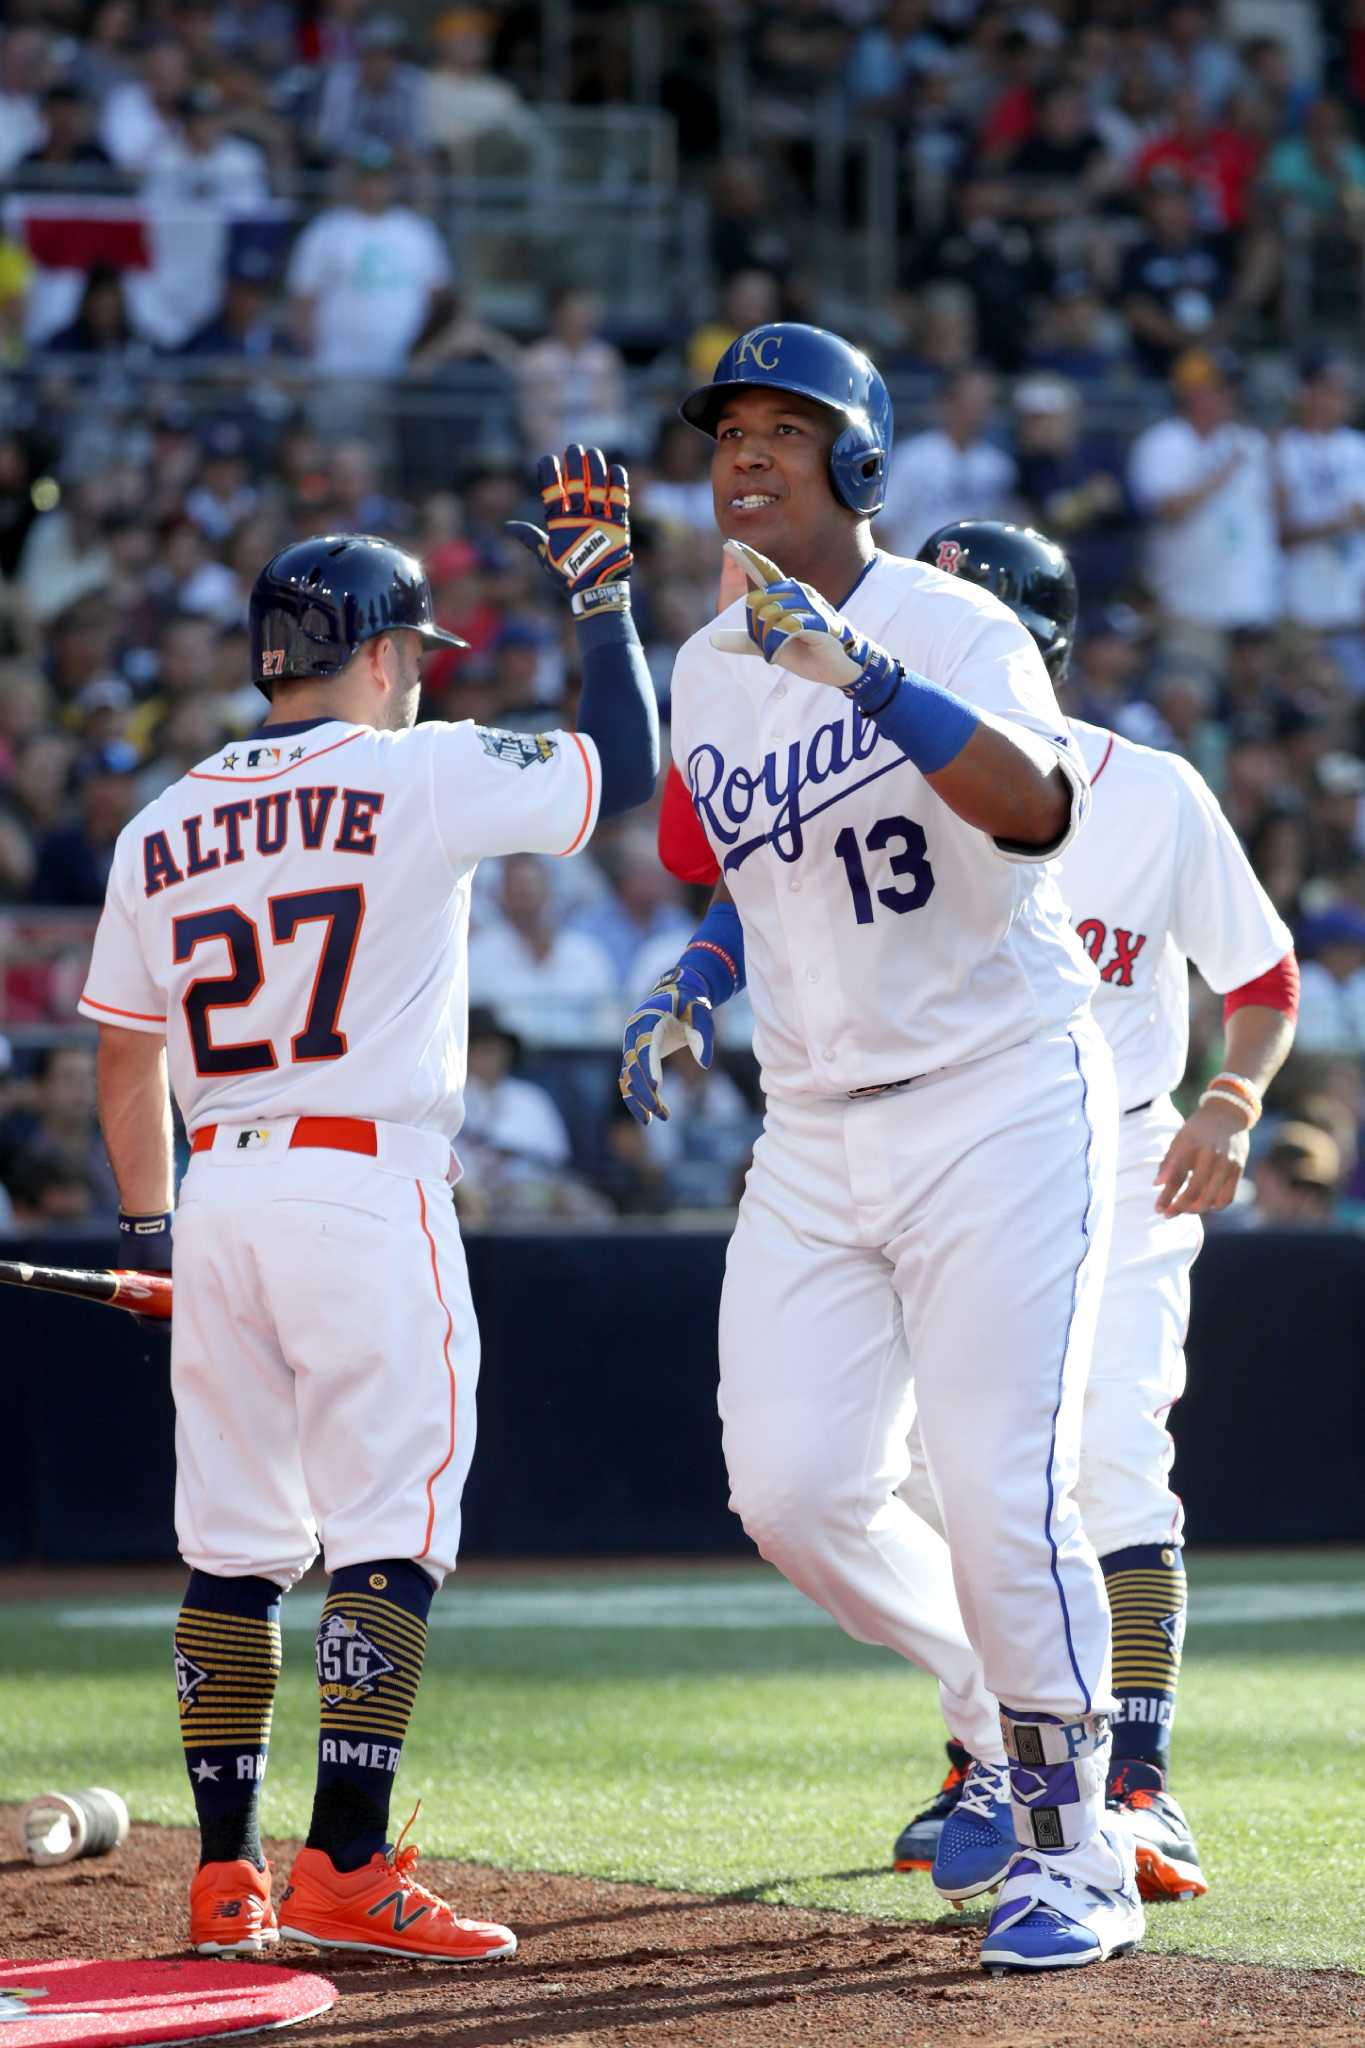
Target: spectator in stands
[[144, 110], [797, 50], [573, 381], [24, 64], [1320, 492], [368, 280], [1218, 158], [1175, 286], [1322, 170], [68, 158], [952, 471], [748, 227], [750, 298], [222, 497], [191, 729], [49, 1197], [642, 915], [1338, 811], [552, 985], [102, 327], [1332, 1001], [1072, 485], [74, 860], [35, 793], [513, 1145], [1280, 850], [1202, 477], [64, 555], [890, 60], [466, 104], [708, 1137], [16, 281], [56, 1125], [1191, 48], [375, 96], [995, 257], [1076, 336], [1282, 94], [675, 490], [1295, 1179], [938, 329], [1062, 169], [245, 327]]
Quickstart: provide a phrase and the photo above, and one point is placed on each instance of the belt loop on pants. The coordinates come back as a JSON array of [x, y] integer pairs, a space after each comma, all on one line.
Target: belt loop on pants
[[325, 1133]]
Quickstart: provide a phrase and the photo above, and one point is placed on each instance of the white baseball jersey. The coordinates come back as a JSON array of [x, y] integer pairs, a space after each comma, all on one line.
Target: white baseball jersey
[[884, 937], [1219, 565], [1322, 478], [1157, 879], [293, 914]]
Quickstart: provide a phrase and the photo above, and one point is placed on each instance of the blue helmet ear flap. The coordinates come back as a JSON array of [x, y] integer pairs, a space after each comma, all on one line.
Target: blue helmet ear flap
[[858, 472]]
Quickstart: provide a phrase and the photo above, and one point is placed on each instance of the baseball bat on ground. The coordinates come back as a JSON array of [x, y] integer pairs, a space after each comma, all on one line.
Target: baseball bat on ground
[[145, 1294]]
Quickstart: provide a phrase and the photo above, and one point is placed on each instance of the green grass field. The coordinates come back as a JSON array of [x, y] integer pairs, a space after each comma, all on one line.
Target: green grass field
[[712, 1731]]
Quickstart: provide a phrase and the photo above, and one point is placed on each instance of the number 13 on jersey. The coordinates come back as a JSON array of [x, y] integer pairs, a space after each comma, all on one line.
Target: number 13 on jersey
[[911, 859]]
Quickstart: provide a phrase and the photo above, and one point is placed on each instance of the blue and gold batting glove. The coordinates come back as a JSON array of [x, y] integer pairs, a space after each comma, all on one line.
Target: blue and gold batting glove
[[585, 542], [676, 1012], [790, 624]]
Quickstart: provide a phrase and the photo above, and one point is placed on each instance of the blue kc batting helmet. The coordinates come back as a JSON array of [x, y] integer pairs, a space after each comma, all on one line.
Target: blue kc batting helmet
[[788, 356], [314, 603]]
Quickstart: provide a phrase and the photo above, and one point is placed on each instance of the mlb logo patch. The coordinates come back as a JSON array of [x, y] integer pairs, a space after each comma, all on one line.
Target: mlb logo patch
[[264, 757]]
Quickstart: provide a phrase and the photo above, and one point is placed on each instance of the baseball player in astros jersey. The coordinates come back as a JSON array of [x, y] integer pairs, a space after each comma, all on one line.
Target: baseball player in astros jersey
[[877, 759], [286, 928], [1157, 878]]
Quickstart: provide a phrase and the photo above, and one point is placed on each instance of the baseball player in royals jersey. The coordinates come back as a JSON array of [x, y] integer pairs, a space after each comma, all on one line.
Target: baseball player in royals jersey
[[1157, 879], [286, 928], [876, 756]]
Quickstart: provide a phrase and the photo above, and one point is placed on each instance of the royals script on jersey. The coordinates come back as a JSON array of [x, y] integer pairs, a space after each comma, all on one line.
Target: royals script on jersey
[[1158, 878], [293, 914], [884, 938]]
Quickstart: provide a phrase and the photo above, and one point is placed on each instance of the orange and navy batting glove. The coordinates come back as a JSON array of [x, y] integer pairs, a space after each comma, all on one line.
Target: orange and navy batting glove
[[585, 542]]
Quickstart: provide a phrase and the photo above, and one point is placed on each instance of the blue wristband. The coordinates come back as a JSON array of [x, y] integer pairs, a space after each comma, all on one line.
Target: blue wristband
[[930, 725], [144, 1242], [715, 952]]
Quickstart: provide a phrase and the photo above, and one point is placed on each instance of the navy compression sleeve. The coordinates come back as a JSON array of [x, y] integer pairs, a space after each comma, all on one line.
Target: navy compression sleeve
[[618, 711]]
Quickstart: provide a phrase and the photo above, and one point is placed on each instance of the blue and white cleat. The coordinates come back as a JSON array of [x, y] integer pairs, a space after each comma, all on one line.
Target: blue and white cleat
[[1046, 1921], [978, 1839]]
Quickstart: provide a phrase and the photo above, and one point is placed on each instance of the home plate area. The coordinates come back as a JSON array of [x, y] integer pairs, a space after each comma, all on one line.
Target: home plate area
[[83, 2004]]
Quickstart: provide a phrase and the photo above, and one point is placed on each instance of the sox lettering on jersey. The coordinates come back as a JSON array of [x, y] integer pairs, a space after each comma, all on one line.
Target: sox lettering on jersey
[[724, 797], [1094, 935]]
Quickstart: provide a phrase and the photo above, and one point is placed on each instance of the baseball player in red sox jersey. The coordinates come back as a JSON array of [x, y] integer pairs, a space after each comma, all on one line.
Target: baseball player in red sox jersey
[[286, 929], [1158, 878], [877, 759]]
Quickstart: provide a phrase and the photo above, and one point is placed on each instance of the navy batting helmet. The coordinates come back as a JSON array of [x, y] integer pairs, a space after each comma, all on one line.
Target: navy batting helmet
[[787, 356], [1024, 569], [314, 603]]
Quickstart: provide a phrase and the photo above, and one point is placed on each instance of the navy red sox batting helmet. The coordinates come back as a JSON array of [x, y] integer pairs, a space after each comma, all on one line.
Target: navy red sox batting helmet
[[1024, 569], [314, 603], [788, 356]]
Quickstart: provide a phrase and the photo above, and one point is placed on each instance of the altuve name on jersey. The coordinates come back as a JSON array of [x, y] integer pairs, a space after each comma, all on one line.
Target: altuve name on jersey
[[311, 820]]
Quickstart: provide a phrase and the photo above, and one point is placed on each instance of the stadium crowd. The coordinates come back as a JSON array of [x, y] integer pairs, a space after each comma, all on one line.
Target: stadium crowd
[[1130, 257]]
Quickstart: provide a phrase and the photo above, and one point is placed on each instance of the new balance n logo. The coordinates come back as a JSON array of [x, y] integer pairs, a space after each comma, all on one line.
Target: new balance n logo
[[400, 1921]]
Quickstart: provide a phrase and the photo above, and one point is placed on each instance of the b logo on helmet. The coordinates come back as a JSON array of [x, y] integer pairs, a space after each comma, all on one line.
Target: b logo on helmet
[[949, 556], [762, 350]]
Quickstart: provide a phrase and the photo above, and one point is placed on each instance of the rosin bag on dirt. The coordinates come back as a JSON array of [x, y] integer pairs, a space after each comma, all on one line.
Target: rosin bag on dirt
[[58, 1827]]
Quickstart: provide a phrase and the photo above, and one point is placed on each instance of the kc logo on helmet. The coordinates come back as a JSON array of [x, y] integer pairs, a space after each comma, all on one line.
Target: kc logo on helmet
[[949, 556], [762, 350]]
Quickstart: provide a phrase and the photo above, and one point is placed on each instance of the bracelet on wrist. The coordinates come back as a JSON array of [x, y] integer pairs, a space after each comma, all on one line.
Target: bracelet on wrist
[[1249, 1105]]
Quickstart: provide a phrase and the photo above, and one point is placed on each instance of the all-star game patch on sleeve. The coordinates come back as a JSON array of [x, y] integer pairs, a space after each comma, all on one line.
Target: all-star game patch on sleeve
[[496, 791]]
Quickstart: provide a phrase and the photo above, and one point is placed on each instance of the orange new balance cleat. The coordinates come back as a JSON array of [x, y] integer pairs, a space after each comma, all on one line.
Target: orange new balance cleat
[[230, 1910], [382, 1909]]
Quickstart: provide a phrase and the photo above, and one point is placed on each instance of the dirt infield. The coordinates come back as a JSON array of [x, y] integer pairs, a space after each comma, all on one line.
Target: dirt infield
[[619, 1966]]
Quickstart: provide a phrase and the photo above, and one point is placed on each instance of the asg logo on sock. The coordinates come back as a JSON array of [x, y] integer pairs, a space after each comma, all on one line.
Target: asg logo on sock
[[1172, 1626], [189, 1676], [350, 1666]]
